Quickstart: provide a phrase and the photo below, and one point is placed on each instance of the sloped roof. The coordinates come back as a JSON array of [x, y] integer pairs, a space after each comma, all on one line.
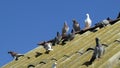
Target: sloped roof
[[67, 56]]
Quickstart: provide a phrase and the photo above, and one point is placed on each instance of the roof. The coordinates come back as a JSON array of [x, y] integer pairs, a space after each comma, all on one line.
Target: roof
[[67, 56]]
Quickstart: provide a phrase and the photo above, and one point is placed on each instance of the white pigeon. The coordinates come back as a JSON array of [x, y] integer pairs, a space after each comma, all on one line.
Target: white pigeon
[[88, 22], [65, 29], [54, 65]]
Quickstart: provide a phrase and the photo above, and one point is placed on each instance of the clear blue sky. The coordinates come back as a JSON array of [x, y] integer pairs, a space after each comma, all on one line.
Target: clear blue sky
[[24, 23]]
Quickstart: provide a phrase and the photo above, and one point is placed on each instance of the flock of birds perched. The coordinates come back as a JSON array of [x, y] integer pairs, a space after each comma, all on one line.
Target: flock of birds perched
[[98, 50]]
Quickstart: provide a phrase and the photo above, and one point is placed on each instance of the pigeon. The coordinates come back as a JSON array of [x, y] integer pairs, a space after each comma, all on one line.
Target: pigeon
[[65, 29], [76, 26], [15, 55], [98, 51], [88, 22]]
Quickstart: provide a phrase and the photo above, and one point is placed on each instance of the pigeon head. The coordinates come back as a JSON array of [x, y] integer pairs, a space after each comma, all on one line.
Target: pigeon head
[[9, 52], [65, 23], [58, 33], [87, 14], [108, 18], [72, 31], [97, 41], [74, 20]]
